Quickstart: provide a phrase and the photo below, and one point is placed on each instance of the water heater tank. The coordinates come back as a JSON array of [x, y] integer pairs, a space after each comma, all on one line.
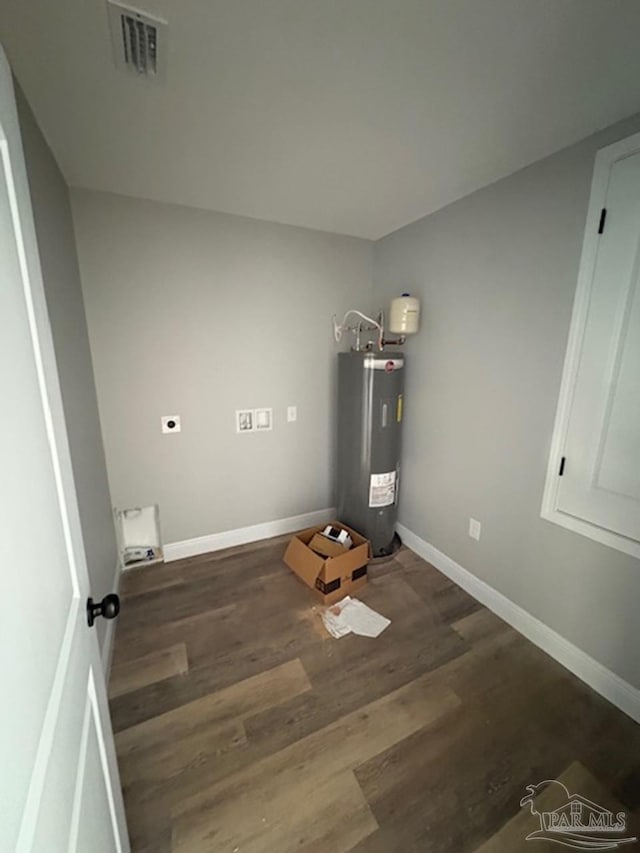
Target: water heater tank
[[404, 317], [370, 412]]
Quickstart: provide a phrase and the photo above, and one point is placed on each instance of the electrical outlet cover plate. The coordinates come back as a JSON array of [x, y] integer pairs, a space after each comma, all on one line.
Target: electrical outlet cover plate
[[474, 528], [245, 420], [170, 423], [263, 419]]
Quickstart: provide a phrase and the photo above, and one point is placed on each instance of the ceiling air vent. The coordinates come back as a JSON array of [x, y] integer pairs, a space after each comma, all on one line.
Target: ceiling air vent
[[139, 41]]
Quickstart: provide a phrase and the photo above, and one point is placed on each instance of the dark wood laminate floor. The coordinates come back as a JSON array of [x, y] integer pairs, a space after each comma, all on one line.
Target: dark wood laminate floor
[[242, 726]]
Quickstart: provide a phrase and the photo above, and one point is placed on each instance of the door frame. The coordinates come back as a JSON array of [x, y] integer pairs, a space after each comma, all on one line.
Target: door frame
[[605, 158]]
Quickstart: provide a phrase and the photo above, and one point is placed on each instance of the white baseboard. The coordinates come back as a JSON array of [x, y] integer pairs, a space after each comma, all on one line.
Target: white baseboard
[[605, 682], [107, 644], [242, 535]]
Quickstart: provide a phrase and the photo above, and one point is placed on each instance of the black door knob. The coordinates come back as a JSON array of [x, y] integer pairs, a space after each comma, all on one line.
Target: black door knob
[[109, 608]]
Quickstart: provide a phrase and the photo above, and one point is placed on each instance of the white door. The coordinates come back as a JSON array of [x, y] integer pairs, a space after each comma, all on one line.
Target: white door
[[599, 479], [59, 788]]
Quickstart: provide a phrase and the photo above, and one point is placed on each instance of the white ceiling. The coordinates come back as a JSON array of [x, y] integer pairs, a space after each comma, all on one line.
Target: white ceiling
[[354, 116]]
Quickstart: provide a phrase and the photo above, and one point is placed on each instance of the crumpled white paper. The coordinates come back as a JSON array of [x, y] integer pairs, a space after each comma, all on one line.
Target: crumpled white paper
[[351, 616]]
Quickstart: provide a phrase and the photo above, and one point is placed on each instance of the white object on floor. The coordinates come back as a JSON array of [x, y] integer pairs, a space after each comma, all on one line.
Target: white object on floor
[[138, 528], [352, 616]]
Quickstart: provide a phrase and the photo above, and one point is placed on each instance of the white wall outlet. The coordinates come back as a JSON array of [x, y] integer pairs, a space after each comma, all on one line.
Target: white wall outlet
[[244, 420], [292, 414], [170, 423], [474, 528], [263, 419]]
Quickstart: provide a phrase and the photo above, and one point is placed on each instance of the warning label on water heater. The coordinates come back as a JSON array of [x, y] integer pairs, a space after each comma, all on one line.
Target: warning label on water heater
[[382, 489]]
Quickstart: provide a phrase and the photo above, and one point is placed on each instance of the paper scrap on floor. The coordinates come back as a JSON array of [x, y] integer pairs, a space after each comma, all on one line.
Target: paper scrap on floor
[[351, 616]]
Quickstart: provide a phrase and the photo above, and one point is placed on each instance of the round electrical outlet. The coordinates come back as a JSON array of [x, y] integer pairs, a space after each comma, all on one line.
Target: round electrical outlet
[[170, 423]]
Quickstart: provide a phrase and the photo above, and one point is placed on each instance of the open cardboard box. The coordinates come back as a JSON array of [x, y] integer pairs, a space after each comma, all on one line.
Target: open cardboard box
[[326, 547], [331, 577]]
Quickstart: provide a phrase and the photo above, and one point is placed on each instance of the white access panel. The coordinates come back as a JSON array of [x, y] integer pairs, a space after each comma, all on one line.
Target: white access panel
[[594, 476]]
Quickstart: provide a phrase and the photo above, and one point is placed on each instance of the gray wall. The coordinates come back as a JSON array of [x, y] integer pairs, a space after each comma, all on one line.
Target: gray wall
[[56, 245], [496, 273], [198, 314]]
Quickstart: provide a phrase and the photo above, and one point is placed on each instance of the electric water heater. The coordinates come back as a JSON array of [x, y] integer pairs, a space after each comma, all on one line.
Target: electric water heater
[[370, 411]]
